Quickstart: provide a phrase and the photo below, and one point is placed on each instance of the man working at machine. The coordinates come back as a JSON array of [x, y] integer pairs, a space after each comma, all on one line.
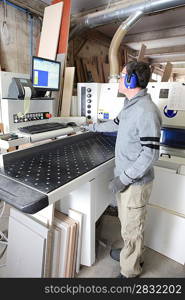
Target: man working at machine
[[137, 148]]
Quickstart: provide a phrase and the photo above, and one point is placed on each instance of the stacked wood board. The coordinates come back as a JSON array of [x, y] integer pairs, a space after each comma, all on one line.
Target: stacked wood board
[[66, 254]]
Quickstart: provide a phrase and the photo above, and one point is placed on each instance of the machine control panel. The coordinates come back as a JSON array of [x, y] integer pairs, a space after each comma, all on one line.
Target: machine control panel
[[31, 117], [88, 98]]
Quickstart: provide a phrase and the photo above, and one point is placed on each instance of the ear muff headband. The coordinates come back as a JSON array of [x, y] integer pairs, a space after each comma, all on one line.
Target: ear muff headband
[[131, 81]]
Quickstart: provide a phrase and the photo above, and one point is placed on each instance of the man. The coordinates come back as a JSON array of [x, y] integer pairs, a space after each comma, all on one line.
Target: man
[[137, 148]]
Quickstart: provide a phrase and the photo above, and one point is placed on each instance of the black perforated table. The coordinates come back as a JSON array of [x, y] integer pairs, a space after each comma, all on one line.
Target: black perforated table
[[30, 175]]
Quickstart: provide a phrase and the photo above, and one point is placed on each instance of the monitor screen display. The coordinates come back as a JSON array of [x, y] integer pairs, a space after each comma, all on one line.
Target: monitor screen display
[[45, 74]]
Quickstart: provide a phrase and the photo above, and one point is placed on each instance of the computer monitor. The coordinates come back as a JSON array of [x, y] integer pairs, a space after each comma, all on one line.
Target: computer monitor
[[45, 74]]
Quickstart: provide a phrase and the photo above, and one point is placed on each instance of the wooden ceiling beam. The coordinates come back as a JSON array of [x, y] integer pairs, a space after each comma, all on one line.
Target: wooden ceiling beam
[[180, 71], [164, 59], [155, 35]]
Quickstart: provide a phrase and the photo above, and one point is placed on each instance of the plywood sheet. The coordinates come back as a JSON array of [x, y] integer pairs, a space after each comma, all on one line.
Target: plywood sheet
[[63, 247], [72, 242], [77, 216], [55, 252], [50, 31]]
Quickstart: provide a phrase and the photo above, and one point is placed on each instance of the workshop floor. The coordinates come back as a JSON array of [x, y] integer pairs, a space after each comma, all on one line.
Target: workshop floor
[[108, 235]]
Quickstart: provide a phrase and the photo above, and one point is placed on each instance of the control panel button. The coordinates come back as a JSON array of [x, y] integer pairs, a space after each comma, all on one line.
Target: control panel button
[[89, 101], [89, 95], [88, 90], [88, 117], [89, 111], [48, 116], [89, 106]]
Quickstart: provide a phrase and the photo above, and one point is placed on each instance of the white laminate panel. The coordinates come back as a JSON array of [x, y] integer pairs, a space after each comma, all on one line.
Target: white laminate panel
[[168, 190], [26, 251], [164, 233]]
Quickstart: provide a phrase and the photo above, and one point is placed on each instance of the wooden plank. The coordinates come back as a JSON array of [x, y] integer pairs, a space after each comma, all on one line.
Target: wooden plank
[[167, 72], [83, 71], [91, 69], [50, 31], [57, 95], [1, 127], [79, 70], [69, 271], [83, 63], [106, 71], [67, 91], [100, 68], [65, 25], [141, 53]]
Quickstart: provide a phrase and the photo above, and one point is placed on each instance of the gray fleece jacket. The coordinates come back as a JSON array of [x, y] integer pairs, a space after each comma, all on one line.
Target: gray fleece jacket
[[138, 127]]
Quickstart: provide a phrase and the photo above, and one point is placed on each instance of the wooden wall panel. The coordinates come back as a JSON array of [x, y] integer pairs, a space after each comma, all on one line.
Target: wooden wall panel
[[15, 54]]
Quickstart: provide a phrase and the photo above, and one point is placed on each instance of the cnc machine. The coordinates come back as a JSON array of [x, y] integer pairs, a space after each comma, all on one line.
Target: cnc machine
[[71, 172]]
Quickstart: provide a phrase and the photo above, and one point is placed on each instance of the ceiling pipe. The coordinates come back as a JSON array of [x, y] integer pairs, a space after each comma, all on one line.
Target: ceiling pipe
[[120, 13], [116, 41]]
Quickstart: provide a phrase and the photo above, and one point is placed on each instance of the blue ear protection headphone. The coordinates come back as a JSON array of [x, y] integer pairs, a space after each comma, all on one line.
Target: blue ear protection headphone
[[131, 81]]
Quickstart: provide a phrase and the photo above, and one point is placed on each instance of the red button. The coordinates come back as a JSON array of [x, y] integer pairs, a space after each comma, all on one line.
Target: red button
[[48, 116]]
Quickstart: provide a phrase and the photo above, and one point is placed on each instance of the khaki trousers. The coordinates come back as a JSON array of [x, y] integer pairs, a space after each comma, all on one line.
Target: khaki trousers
[[132, 212]]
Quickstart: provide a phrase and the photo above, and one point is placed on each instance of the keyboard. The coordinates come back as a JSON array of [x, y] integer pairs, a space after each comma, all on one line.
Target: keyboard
[[44, 127]]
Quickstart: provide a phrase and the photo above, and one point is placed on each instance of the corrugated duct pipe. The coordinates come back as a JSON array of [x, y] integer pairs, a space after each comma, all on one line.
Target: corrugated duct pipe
[[120, 12], [116, 41]]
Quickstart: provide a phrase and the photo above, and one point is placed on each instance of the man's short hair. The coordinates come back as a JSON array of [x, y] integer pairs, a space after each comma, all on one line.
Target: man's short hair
[[142, 70]]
